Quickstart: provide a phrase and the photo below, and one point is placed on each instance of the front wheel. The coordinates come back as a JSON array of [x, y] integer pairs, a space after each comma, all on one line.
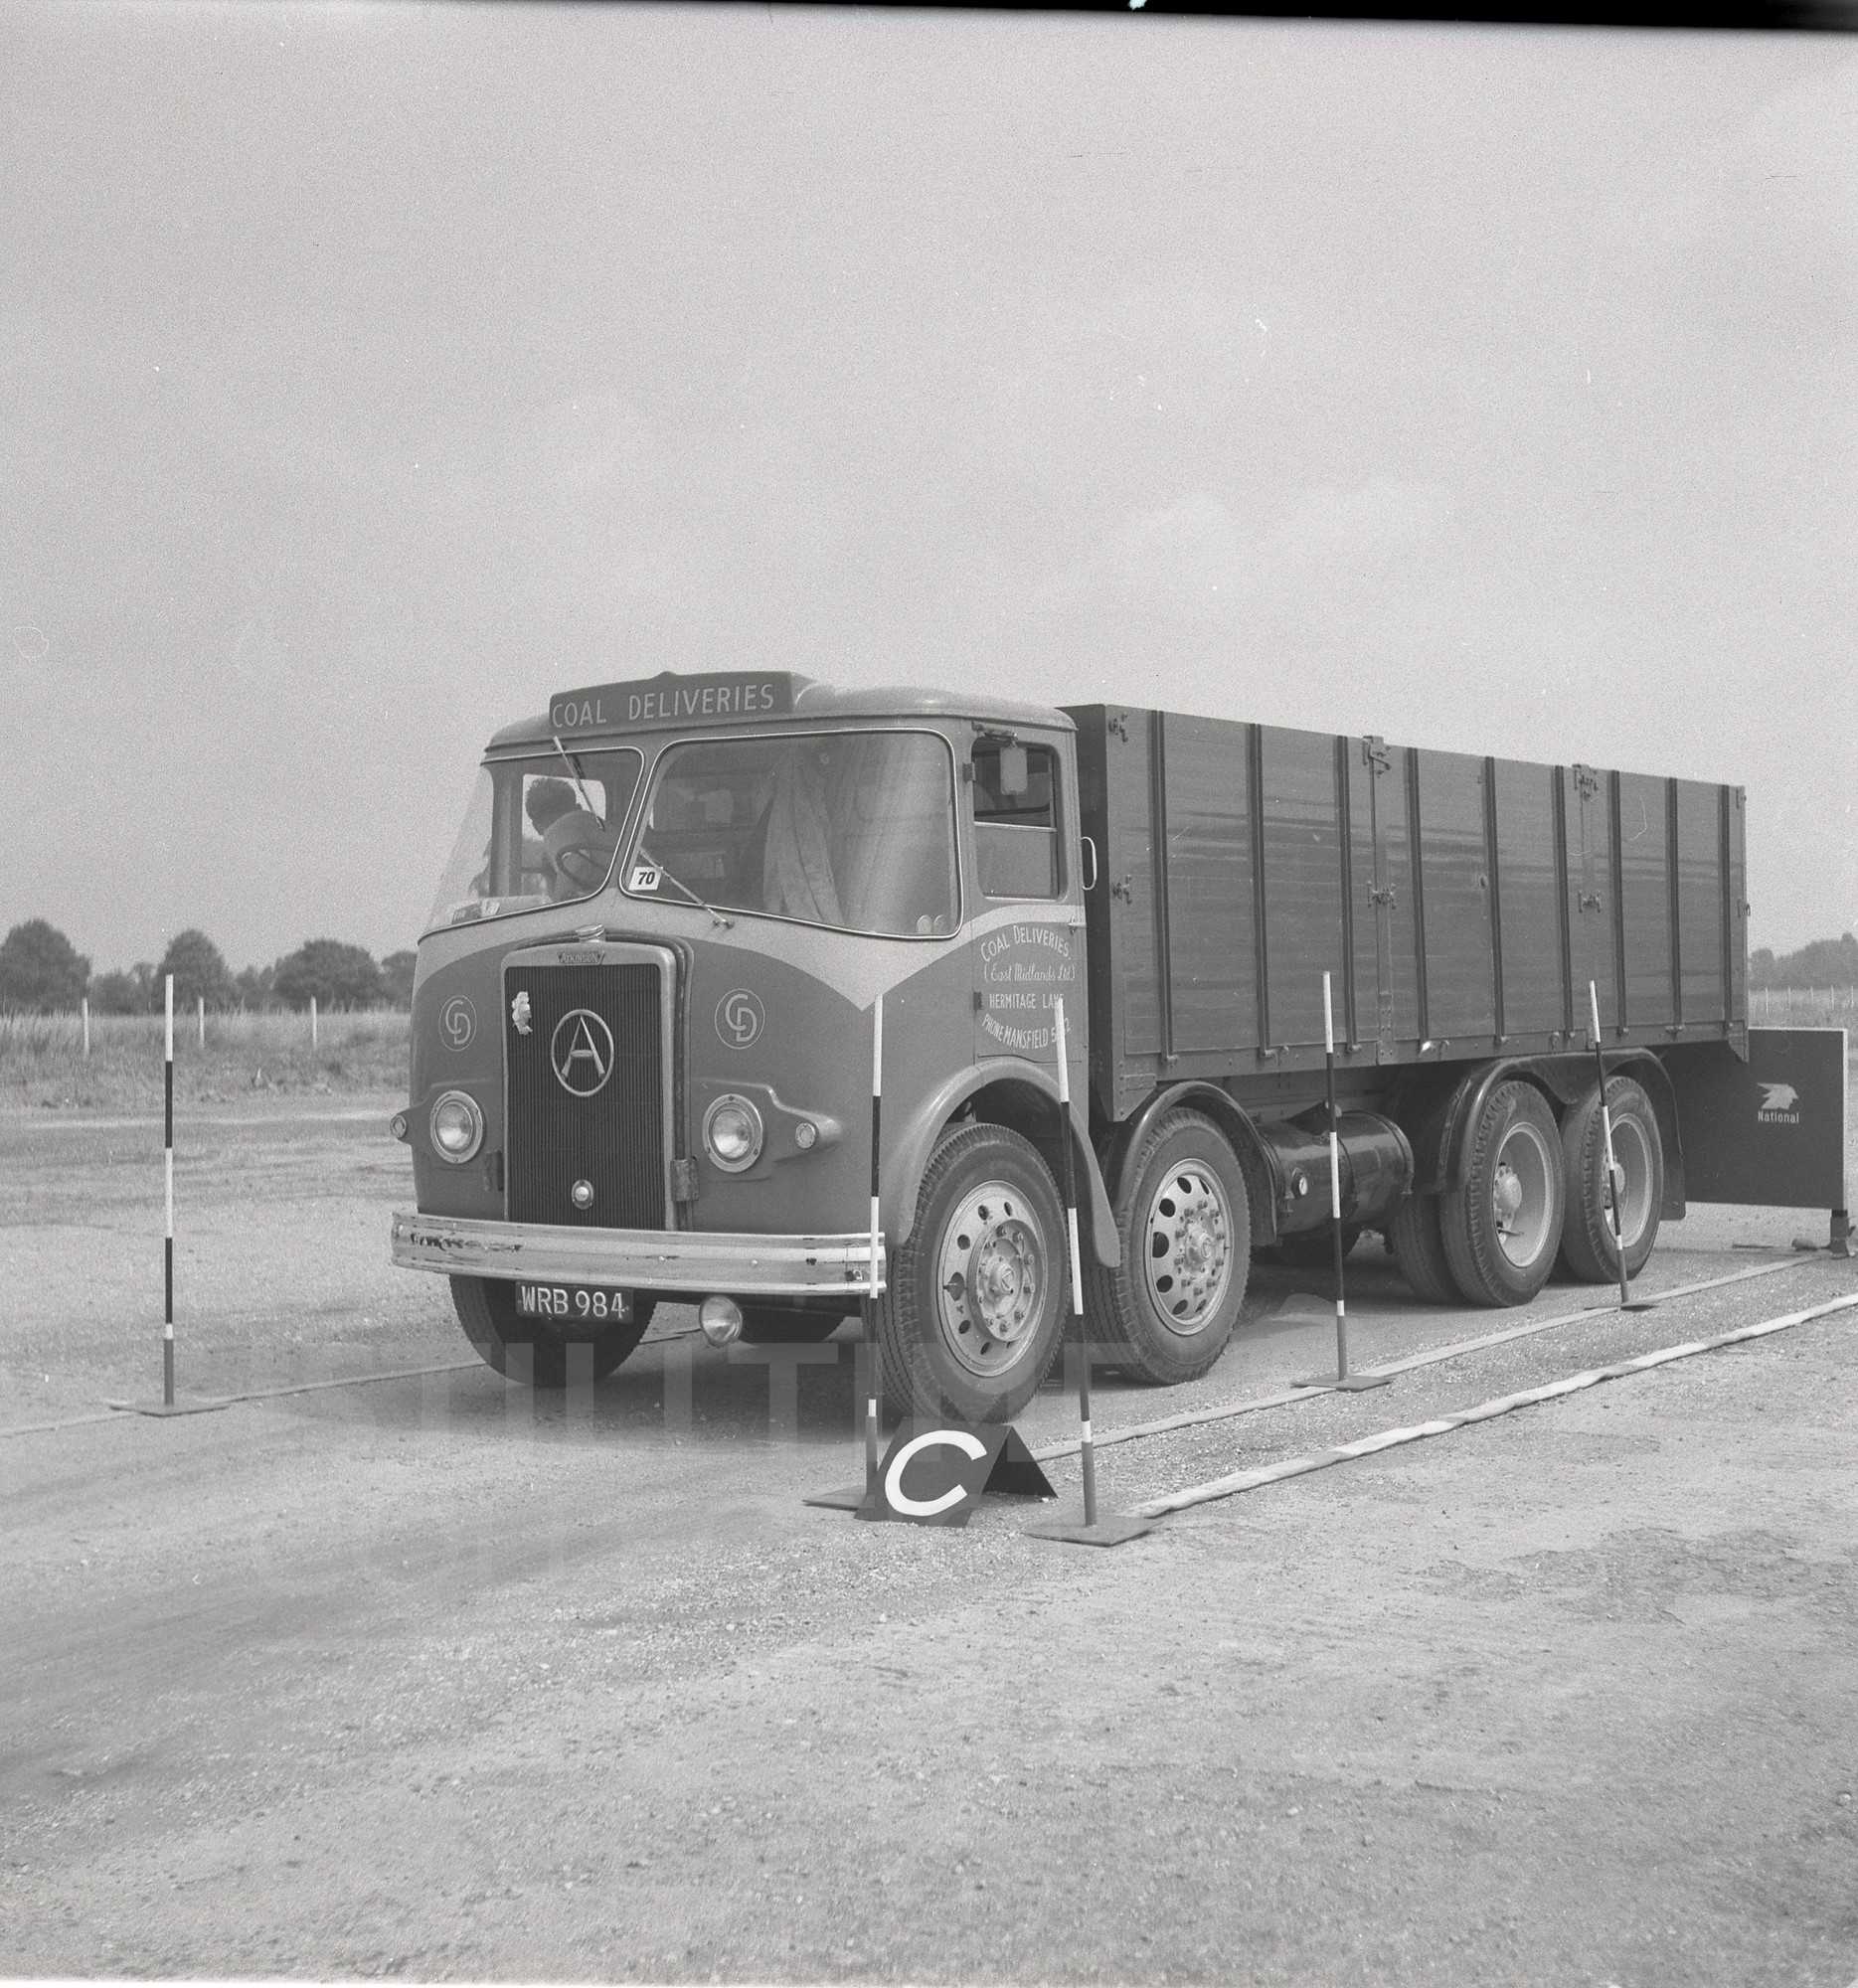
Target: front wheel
[[1166, 1312], [1589, 1245], [975, 1310], [533, 1351], [1503, 1226]]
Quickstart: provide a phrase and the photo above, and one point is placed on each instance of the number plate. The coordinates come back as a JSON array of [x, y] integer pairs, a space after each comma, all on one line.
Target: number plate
[[573, 1304]]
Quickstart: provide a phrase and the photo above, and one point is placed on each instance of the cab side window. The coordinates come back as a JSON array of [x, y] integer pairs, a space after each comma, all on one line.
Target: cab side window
[[1015, 790]]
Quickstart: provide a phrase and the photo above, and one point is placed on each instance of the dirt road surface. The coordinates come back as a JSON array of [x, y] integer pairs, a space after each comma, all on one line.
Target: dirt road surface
[[424, 1678]]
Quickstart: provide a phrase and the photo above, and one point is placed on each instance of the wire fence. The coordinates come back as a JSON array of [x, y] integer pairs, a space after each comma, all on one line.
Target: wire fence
[[1803, 1007], [116, 1060]]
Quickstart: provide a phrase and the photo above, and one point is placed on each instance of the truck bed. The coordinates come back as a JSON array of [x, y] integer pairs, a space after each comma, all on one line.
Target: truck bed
[[1461, 903]]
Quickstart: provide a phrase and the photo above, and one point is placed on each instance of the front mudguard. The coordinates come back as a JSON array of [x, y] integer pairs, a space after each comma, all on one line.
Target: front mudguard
[[908, 1160]]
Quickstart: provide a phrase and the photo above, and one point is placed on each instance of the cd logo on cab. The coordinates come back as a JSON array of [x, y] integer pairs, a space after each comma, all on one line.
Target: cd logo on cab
[[458, 1019], [739, 1019]]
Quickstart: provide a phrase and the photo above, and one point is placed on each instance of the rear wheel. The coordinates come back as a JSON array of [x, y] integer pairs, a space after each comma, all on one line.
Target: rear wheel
[[1166, 1312], [1420, 1250], [531, 1351], [1590, 1245], [787, 1325], [975, 1310], [1503, 1226]]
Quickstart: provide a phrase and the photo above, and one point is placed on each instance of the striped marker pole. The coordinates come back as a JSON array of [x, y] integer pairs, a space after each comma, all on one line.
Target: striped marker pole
[[312, 1021], [855, 1497], [1605, 1127], [168, 1406], [1342, 1378], [1335, 1181], [1087, 1454], [873, 1358], [1118, 1527], [199, 1008], [167, 1156], [87, 1025]]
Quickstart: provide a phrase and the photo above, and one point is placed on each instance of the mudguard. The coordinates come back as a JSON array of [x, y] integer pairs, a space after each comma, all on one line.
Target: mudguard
[[908, 1160]]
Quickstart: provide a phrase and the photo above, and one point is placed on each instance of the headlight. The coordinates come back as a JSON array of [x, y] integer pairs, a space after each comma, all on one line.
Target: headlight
[[731, 1133], [457, 1127]]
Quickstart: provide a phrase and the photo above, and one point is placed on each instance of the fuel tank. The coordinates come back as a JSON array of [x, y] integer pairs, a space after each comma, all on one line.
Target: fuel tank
[[1376, 1167]]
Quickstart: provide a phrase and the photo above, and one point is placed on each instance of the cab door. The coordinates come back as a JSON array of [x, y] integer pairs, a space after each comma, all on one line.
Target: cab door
[[1027, 925]]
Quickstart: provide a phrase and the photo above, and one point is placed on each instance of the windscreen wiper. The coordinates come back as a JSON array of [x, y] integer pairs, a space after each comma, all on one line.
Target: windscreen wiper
[[690, 896]]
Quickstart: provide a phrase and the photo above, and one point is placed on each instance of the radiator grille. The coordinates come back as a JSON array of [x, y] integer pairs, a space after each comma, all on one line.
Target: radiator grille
[[585, 1095]]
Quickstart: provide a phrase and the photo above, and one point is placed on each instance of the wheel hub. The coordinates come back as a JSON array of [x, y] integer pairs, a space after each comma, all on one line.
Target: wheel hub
[[1188, 1258], [993, 1277], [1507, 1197], [1522, 1194]]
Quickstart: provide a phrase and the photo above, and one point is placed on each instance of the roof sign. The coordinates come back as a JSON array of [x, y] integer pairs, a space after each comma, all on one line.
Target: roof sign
[[673, 699]]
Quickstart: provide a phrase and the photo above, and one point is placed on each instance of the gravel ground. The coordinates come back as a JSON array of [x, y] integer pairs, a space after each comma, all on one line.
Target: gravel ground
[[426, 1678]]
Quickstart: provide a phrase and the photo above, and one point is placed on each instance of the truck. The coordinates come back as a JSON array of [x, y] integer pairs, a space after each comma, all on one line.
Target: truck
[[647, 995]]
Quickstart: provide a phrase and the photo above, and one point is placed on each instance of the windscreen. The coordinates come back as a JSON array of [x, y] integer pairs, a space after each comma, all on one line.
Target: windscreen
[[538, 831], [853, 829]]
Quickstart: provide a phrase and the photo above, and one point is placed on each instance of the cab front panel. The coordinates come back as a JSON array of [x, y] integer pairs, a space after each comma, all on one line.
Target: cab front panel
[[586, 1061]]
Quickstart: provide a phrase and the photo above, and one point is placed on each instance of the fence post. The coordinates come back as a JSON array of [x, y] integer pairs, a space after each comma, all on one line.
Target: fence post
[[200, 1002], [87, 1025], [312, 1021]]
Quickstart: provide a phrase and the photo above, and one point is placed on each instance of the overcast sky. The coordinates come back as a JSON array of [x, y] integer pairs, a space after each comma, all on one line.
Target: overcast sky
[[371, 373]]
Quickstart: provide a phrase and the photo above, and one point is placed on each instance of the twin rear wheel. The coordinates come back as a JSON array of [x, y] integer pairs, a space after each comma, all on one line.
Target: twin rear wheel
[[1536, 1192]]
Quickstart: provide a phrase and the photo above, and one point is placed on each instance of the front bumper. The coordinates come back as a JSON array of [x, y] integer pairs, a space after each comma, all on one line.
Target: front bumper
[[653, 1259]]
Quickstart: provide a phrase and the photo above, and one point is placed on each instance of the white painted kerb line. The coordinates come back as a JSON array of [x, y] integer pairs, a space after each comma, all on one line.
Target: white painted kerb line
[[1299, 1466]]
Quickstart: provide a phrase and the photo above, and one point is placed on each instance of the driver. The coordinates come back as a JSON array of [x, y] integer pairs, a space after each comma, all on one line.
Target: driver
[[580, 850]]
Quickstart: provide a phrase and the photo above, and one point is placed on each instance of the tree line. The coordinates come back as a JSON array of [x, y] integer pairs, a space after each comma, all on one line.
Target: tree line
[[1827, 962], [43, 973]]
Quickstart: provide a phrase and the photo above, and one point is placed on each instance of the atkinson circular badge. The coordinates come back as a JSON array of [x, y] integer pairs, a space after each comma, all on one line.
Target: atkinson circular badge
[[581, 1052], [739, 1018]]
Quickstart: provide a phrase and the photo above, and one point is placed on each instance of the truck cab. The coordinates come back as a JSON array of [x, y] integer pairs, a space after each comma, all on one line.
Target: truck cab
[[644, 1013]]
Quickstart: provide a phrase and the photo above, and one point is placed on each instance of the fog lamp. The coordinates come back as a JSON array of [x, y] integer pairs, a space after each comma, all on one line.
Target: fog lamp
[[721, 1320], [457, 1126], [731, 1133]]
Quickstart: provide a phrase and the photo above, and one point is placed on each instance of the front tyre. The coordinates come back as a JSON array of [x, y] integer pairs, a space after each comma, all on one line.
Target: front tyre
[[975, 1310], [1165, 1313], [531, 1351], [1503, 1227], [1590, 1246]]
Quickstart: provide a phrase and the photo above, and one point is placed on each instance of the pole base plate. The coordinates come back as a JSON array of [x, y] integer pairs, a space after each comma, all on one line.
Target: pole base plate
[[1113, 1529], [182, 1404], [1346, 1383], [1641, 1304], [842, 1498]]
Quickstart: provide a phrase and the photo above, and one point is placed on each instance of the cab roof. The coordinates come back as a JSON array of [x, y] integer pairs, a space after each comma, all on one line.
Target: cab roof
[[601, 710]]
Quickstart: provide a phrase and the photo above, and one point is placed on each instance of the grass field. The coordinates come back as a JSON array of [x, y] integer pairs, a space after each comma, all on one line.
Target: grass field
[[43, 1064]]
